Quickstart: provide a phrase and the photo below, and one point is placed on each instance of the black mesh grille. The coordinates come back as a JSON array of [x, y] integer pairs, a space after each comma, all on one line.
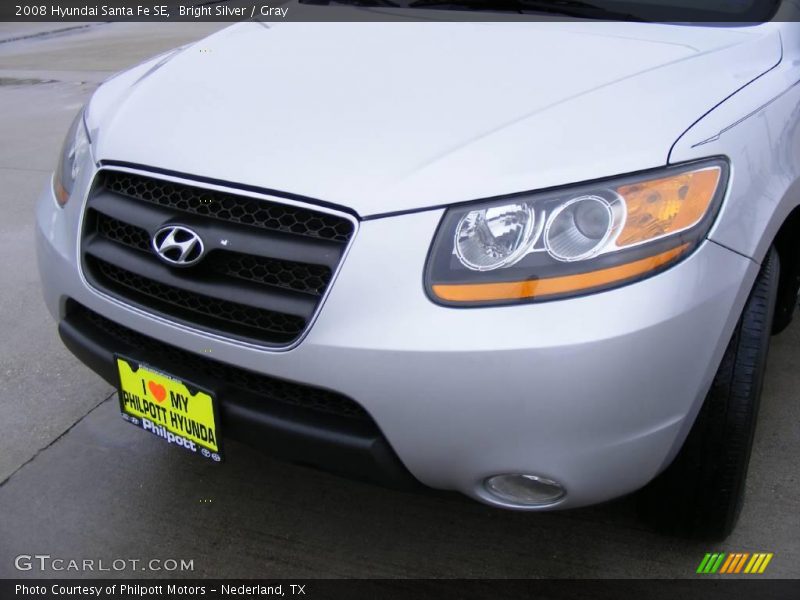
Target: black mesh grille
[[213, 309], [270, 388], [228, 207], [124, 233], [263, 270], [310, 279]]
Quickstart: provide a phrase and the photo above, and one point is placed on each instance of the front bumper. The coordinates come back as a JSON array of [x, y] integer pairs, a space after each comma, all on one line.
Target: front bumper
[[596, 392], [349, 446]]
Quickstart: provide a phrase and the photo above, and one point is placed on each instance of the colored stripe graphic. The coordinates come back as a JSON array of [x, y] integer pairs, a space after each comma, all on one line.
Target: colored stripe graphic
[[767, 558], [704, 563], [741, 562], [734, 563], [718, 563], [759, 563], [756, 559], [728, 564], [711, 563]]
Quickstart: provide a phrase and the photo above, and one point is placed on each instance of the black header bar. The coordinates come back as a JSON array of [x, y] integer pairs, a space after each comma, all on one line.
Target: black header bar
[[673, 11]]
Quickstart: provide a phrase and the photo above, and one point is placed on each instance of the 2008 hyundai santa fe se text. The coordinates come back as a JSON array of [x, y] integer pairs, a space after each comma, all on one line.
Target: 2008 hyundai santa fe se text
[[534, 262]]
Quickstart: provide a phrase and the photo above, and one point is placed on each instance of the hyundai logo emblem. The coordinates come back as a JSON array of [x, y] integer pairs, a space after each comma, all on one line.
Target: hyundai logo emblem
[[178, 245]]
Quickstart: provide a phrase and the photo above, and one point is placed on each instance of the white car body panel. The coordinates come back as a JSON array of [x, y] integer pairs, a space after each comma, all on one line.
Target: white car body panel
[[597, 392], [352, 119], [765, 183]]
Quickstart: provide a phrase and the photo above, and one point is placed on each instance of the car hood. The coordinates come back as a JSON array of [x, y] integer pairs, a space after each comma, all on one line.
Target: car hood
[[386, 117]]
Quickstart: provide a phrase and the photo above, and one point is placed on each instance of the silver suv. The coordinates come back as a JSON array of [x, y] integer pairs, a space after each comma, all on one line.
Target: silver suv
[[538, 263]]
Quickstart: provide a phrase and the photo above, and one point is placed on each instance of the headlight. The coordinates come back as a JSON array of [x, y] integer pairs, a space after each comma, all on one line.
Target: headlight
[[493, 237], [572, 241], [73, 155]]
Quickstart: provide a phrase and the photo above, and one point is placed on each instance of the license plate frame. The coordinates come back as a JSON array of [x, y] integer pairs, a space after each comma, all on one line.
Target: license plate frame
[[158, 402]]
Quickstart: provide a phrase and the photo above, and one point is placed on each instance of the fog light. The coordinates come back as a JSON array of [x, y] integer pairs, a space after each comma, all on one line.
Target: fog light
[[525, 490]]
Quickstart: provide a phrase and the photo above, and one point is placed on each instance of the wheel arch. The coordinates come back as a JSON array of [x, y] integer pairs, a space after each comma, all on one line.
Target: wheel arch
[[787, 243]]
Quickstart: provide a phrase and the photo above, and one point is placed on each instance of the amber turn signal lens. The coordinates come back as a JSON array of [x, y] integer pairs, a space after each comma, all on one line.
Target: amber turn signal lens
[[554, 286], [662, 207], [62, 196]]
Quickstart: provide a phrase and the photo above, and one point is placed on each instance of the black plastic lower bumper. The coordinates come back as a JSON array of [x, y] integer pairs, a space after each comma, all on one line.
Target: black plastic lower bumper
[[271, 415]]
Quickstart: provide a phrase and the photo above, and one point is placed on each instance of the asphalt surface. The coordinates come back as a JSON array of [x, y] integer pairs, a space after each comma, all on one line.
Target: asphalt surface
[[77, 482]]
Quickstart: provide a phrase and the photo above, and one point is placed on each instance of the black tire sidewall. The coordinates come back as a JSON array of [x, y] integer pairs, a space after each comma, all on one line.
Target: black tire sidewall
[[702, 492]]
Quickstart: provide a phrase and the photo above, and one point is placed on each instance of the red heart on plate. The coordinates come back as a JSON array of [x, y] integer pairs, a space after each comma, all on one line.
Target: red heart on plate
[[158, 390]]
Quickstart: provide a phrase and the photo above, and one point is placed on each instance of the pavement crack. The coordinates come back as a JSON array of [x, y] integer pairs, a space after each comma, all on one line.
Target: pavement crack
[[46, 34], [56, 439]]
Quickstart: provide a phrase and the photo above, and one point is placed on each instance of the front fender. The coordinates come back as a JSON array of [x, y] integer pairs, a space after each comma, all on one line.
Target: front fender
[[758, 128]]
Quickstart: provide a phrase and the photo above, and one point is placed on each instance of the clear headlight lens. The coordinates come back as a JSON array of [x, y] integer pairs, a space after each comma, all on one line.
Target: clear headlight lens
[[580, 228], [494, 237], [73, 154], [573, 241]]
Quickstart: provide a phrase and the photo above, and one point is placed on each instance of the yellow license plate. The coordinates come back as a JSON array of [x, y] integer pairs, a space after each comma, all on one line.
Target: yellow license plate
[[173, 410]]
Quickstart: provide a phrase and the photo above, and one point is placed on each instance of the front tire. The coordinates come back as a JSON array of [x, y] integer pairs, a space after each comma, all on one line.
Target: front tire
[[701, 493]]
